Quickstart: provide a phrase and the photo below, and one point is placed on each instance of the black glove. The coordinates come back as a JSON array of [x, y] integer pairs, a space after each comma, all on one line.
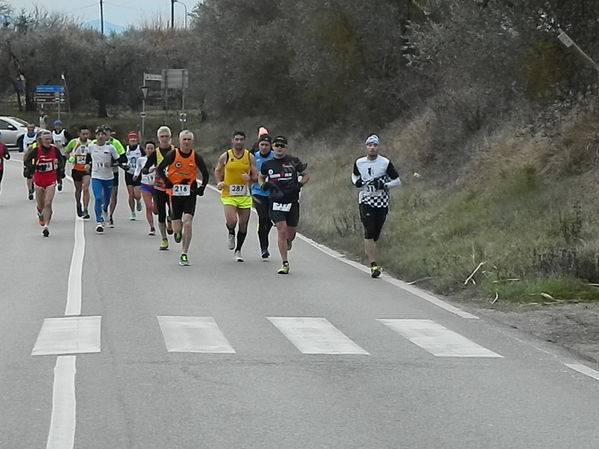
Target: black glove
[[200, 191], [359, 183], [268, 186], [168, 184], [185, 181], [378, 183]]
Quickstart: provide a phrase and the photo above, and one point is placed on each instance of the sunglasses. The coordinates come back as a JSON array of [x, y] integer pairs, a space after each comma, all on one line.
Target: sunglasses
[[279, 145]]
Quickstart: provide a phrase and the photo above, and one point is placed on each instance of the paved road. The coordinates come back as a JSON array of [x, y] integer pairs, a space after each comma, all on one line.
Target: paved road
[[231, 355]]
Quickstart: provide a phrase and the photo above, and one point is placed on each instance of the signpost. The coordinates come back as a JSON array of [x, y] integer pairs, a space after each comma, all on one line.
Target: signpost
[[50, 94]]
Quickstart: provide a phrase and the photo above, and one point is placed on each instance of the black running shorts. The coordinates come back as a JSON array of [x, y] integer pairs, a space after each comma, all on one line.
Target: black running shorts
[[183, 205], [78, 175], [373, 219], [278, 213], [130, 182]]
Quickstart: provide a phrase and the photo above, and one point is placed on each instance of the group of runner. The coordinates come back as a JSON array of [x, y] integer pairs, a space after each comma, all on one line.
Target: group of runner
[[165, 177]]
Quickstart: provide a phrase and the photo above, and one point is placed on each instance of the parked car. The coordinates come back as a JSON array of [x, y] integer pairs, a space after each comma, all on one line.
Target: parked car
[[11, 128]]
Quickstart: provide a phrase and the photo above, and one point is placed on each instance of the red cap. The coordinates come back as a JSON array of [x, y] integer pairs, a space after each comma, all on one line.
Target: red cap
[[262, 131], [132, 136]]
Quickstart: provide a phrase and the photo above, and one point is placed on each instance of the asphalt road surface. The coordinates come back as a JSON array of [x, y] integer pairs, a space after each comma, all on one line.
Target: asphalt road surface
[[109, 343]]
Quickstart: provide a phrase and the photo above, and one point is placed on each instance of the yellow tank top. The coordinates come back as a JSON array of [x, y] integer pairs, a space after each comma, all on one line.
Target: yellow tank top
[[234, 168]]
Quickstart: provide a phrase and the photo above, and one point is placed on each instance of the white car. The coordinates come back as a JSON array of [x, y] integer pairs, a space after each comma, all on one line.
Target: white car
[[11, 128]]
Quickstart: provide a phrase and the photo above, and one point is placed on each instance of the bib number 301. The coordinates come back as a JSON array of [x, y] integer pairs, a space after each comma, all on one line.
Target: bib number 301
[[181, 190], [282, 207], [237, 190]]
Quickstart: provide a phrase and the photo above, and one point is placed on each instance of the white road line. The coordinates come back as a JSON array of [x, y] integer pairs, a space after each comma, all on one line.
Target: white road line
[[64, 410], [193, 334], [422, 294], [437, 339], [74, 287], [69, 335], [583, 370], [315, 336], [64, 406]]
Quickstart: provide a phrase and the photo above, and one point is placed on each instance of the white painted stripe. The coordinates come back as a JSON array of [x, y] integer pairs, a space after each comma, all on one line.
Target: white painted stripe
[[315, 336], [437, 339], [583, 370], [64, 407], [193, 334], [422, 294], [69, 335], [74, 286]]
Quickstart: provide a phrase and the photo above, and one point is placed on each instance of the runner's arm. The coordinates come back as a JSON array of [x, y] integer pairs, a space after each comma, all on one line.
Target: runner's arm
[[149, 163], [138, 167], [253, 170], [5, 152], [392, 173], [202, 169], [70, 146], [356, 177], [29, 159], [219, 171], [168, 160], [20, 141]]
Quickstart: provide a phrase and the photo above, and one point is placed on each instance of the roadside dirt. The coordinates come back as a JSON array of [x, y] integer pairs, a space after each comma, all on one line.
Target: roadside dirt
[[574, 326]]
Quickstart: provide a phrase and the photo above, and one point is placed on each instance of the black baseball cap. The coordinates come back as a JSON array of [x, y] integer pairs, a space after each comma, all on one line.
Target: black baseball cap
[[265, 138], [280, 139]]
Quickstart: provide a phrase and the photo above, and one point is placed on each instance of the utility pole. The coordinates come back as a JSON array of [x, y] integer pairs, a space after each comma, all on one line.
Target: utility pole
[[102, 17], [173, 14]]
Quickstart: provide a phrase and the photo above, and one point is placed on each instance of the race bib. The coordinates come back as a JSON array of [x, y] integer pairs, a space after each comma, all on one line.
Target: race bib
[[238, 190], [181, 190], [46, 166], [282, 207], [99, 165], [81, 160]]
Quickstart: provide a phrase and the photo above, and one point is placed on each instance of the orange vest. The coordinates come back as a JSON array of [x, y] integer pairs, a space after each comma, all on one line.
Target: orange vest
[[182, 168]]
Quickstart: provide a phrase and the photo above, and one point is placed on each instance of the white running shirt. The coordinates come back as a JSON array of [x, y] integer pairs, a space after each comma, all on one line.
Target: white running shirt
[[102, 156]]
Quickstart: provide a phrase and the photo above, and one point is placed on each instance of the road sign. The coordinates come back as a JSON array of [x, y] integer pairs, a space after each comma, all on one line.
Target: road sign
[[49, 97], [175, 79], [152, 77], [48, 89]]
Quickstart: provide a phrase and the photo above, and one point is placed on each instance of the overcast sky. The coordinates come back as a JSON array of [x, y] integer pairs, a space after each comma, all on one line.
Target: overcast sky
[[119, 12]]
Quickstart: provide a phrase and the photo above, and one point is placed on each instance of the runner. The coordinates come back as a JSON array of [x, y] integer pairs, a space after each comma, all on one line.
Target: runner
[[236, 168], [60, 137], [112, 140], [260, 196], [179, 170], [160, 196], [262, 131], [101, 156], [374, 175], [133, 153], [46, 164], [147, 185], [4, 154], [281, 177], [23, 143], [77, 151]]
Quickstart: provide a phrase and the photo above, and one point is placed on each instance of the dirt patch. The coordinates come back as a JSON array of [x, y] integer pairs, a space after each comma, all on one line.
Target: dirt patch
[[575, 326]]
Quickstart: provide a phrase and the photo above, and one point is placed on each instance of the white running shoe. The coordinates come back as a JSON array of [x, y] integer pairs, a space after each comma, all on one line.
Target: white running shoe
[[100, 228], [238, 257], [231, 241]]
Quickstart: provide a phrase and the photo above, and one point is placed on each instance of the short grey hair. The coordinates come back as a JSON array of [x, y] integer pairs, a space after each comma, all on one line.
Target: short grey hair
[[163, 129], [186, 132]]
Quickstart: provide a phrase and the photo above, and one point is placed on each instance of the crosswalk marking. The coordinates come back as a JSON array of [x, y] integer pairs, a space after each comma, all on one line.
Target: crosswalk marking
[[437, 339], [69, 335], [315, 336], [193, 334]]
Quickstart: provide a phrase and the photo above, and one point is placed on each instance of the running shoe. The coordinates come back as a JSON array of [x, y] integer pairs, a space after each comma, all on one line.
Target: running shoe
[[133, 216], [231, 241], [30, 195], [169, 226], [183, 260], [238, 257], [178, 236], [284, 268], [111, 222], [45, 231], [100, 228], [164, 245], [40, 220], [79, 210], [265, 254], [138, 205], [60, 187], [152, 231], [375, 271], [85, 215], [289, 245]]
